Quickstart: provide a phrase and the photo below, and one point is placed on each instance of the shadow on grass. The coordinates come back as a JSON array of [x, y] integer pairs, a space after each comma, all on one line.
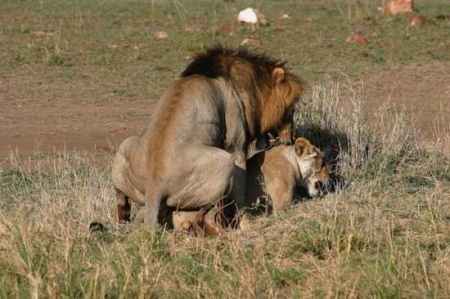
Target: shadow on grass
[[332, 143]]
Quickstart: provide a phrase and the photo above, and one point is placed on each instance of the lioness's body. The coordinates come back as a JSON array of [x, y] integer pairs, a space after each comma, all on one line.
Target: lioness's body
[[276, 173], [193, 152], [272, 179]]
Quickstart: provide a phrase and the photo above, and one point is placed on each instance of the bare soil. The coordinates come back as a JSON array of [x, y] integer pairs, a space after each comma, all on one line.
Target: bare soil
[[422, 90], [56, 116]]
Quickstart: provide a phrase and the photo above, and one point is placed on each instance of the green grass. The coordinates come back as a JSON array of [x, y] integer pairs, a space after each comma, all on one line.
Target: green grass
[[117, 35], [384, 235]]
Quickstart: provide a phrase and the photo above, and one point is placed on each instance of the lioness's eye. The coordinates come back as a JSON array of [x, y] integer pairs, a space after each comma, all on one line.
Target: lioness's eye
[[320, 169]]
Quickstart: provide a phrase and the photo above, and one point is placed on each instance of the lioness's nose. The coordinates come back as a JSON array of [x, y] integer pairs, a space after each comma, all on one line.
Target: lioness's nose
[[325, 187], [319, 185]]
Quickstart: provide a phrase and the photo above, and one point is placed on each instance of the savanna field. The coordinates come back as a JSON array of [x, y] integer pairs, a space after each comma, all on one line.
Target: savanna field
[[77, 77]]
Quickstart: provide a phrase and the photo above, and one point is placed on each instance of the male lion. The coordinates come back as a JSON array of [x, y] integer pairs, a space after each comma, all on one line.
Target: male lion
[[272, 178], [193, 152]]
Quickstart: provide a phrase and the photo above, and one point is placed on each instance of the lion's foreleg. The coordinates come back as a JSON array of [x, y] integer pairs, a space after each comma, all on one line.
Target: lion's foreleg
[[235, 207], [239, 181], [285, 133], [285, 129], [123, 206]]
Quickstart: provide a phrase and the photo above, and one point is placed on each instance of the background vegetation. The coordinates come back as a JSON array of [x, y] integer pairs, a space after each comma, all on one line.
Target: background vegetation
[[385, 234]]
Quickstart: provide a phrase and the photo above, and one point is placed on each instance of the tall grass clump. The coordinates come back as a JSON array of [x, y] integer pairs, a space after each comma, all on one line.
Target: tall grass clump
[[334, 117]]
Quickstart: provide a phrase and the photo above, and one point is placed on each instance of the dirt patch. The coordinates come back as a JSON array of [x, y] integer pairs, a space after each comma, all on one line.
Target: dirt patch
[[53, 116], [42, 114], [422, 91]]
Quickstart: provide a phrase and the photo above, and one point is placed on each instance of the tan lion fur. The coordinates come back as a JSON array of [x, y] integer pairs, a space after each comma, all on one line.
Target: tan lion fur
[[276, 173], [192, 154]]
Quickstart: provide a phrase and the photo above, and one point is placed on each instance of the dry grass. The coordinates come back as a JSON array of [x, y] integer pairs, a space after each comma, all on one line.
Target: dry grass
[[384, 235], [334, 117]]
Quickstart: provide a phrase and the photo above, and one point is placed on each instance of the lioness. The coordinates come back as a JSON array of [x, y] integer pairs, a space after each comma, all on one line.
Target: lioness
[[192, 154], [276, 173], [272, 178]]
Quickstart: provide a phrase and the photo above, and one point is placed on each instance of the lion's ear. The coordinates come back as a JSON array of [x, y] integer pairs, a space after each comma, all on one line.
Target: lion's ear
[[304, 149], [302, 146], [278, 75]]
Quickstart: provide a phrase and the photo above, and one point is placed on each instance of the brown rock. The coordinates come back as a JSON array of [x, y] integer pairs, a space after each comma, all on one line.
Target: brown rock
[[395, 7], [417, 20], [357, 38], [252, 40], [160, 34], [284, 16]]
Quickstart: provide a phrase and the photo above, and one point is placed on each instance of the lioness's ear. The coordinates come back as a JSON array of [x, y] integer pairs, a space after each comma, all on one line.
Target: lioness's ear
[[278, 75], [302, 146], [304, 149]]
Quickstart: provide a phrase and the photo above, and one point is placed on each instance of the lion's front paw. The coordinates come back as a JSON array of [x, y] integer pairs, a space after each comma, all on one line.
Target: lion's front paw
[[285, 141]]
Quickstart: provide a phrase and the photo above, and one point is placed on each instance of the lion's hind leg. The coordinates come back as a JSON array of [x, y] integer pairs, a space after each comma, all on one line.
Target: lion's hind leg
[[123, 206], [206, 180]]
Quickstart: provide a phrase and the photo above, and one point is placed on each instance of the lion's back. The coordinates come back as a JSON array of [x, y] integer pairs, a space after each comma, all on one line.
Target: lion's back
[[192, 110]]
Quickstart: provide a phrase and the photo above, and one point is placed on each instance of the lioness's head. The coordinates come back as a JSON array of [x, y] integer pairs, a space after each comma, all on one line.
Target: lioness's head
[[315, 172]]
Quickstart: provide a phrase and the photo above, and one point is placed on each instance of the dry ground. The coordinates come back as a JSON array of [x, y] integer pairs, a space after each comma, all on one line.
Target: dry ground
[[57, 115]]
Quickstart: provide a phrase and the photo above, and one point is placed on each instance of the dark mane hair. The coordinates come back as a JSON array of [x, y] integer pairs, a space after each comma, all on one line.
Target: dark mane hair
[[217, 61]]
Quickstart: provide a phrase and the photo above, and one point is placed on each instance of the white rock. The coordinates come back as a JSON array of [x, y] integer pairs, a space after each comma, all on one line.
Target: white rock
[[248, 15]]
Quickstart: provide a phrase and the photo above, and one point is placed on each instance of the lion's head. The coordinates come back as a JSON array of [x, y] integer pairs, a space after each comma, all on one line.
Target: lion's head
[[315, 172], [266, 87]]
